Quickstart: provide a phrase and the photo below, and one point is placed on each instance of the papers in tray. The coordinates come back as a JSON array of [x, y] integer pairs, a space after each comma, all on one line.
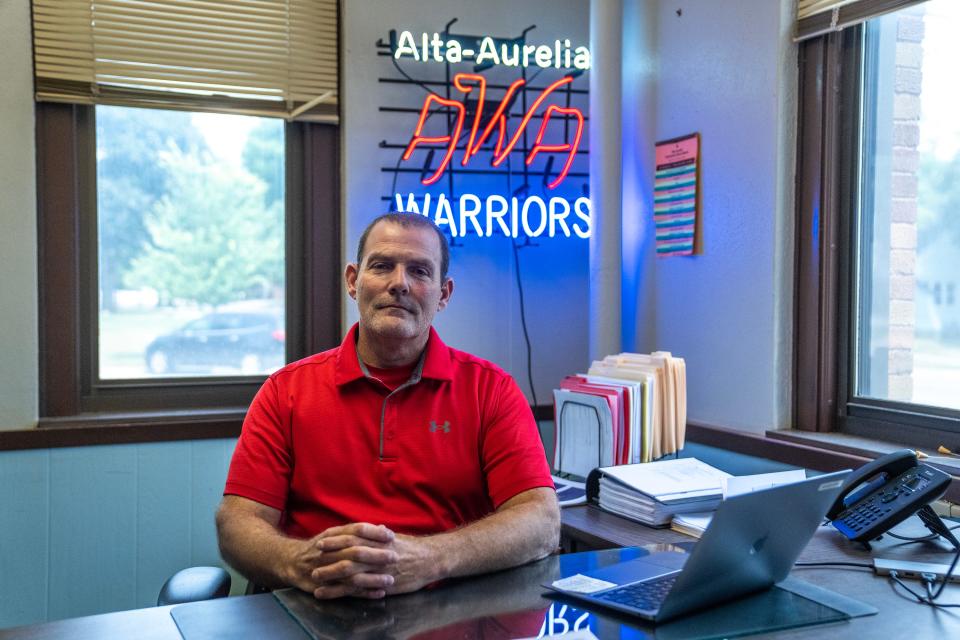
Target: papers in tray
[[629, 408]]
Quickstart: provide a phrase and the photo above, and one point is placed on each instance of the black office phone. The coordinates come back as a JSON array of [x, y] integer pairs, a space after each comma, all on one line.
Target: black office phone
[[883, 493]]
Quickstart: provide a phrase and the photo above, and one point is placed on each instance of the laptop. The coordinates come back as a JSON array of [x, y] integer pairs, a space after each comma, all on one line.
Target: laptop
[[751, 544]]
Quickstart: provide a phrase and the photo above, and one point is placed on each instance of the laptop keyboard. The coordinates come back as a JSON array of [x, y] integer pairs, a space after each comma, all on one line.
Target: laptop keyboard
[[641, 595]]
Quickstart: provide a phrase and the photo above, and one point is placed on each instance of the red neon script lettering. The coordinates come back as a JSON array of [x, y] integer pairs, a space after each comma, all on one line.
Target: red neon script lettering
[[571, 148], [450, 140], [468, 83]]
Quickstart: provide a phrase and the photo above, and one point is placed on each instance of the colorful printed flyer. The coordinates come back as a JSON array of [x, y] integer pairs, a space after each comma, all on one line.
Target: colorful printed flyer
[[675, 195]]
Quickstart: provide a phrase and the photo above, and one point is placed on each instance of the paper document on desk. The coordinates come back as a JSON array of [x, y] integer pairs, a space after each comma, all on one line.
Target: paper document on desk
[[694, 524], [738, 485], [569, 492]]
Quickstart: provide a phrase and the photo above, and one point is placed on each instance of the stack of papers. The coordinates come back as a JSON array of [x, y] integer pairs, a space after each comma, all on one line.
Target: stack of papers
[[653, 493], [629, 408], [664, 381], [694, 524]]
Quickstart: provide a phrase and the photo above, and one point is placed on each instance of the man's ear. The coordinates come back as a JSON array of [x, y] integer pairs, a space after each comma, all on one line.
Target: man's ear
[[350, 278], [446, 290]]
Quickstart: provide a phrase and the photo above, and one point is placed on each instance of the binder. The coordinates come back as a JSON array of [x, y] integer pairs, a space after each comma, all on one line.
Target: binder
[[653, 493]]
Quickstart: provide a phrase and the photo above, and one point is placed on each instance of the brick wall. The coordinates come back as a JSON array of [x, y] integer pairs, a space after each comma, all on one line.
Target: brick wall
[[903, 210]]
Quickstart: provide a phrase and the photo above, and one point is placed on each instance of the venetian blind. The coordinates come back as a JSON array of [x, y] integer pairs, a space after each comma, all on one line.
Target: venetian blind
[[257, 57], [816, 17]]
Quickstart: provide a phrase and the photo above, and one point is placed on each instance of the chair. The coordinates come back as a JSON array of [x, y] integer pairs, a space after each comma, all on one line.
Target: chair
[[193, 584]]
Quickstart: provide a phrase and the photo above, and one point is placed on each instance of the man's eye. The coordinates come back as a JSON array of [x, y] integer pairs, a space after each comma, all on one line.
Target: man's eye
[[421, 272]]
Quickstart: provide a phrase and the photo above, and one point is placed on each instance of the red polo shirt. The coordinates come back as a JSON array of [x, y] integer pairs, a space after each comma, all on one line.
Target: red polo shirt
[[328, 445]]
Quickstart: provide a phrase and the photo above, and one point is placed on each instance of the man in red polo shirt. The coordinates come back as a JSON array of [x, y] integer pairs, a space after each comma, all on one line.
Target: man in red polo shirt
[[392, 461]]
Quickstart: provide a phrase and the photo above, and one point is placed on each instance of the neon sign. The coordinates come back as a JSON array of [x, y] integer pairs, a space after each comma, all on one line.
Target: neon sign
[[489, 51], [548, 125], [534, 215], [498, 120]]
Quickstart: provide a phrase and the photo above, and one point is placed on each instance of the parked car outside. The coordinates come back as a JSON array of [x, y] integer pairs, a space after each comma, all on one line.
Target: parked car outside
[[252, 342]]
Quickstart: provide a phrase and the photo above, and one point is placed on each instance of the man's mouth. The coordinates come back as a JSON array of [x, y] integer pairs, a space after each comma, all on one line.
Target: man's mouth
[[394, 306]]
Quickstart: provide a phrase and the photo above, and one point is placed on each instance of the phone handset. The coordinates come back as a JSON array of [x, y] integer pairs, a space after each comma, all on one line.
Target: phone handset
[[883, 493], [872, 476]]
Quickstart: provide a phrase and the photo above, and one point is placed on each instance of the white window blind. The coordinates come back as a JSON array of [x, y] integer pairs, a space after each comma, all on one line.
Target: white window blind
[[257, 57], [817, 17]]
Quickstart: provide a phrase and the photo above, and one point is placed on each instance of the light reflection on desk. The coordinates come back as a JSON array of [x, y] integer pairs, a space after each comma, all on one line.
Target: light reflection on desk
[[514, 604]]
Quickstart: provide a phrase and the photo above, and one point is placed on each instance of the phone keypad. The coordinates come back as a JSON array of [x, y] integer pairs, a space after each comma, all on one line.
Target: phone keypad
[[891, 504], [866, 513]]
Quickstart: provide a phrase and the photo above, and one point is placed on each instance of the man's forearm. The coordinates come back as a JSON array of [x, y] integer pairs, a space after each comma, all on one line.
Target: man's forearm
[[514, 535], [257, 550], [251, 542]]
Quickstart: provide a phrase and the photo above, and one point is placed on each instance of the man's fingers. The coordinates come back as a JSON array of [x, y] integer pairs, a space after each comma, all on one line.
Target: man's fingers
[[376, 533], [371, 581], [343, 569], [365, 555], [344, 541]]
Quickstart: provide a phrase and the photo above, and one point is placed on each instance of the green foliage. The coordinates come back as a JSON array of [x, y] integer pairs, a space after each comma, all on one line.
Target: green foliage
[[212, 239], [130, 179], [263, 157], [173, 218]]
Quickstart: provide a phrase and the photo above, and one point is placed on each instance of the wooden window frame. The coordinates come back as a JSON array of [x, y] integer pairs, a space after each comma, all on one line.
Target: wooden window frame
[[74, 408], [827, 196]]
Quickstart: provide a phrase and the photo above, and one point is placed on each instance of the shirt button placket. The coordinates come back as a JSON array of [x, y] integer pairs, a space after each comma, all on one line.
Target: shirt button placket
[[389, 429]]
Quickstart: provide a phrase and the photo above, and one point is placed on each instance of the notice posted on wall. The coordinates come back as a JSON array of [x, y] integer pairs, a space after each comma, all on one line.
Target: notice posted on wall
[[675, 189]]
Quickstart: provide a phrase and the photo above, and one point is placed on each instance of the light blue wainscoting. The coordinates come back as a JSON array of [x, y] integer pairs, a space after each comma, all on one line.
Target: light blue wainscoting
[[87, 530]]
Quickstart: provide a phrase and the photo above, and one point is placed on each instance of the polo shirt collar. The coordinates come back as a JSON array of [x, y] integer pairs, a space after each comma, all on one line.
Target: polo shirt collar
[[435, 363]]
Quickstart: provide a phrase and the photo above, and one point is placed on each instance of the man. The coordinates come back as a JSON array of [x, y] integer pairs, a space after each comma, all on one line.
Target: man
[[392, 461]]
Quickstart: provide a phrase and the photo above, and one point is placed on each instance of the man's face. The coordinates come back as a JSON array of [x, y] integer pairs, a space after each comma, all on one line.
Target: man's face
[[397, 285]]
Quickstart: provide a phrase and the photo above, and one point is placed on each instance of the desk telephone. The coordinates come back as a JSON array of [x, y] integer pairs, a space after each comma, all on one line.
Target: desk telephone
[[883, 493]]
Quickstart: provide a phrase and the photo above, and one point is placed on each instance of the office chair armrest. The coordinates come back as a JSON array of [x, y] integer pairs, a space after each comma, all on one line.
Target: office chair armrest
[[193, 584]]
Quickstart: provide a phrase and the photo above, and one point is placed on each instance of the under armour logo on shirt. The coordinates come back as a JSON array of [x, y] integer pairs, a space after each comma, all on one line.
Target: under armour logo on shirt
[[435, 427]]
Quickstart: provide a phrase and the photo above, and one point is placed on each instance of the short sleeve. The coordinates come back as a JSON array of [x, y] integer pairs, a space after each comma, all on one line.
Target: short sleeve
[[262, 461], [513, 456]]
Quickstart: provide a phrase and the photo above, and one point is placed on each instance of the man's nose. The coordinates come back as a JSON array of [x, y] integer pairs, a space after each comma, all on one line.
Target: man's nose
[[398, 280]]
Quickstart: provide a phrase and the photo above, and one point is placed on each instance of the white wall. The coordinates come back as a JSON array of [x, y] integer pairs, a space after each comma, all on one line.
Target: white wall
[[639, 70], [483, 317], [727, 70], [18, 222]]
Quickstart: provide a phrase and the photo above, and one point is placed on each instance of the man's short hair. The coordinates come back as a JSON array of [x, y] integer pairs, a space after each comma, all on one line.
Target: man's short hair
[[409, 220]]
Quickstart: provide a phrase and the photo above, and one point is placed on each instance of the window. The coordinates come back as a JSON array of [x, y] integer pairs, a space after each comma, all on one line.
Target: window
[[190, 219], [188, 208], [108, 297], [879, 241]]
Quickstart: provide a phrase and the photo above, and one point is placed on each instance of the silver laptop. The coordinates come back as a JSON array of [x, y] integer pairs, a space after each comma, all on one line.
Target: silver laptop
[[751, 544]]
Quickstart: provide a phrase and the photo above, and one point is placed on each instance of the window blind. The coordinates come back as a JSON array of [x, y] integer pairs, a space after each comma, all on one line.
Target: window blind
[[817, 17], [256, 57]]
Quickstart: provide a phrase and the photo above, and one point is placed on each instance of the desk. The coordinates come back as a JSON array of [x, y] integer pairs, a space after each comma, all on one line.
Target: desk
[[587, 527], [512, 603]]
